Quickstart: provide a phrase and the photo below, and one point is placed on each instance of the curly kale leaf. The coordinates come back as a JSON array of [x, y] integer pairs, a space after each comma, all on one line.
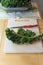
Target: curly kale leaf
[[22, 36], [16, 3]]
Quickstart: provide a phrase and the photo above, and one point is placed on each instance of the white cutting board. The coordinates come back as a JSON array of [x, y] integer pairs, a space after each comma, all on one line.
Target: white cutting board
[[31, 14], [10, 47]]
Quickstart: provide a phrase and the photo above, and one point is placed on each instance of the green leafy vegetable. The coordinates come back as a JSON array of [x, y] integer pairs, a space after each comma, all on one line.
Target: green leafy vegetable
[[16, 3], [22, 36], [0, 0]]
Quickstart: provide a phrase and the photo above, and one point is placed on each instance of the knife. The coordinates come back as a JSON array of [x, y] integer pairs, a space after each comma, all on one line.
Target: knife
[[26, 26]]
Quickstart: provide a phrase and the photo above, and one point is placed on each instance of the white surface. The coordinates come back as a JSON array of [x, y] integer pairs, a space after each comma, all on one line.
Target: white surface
[[29, 48], [4, 14], [35, 15], [9, 47], [11, 22]]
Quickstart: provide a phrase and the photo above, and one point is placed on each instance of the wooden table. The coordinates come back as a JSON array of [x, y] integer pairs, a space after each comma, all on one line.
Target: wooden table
[[18, 59]]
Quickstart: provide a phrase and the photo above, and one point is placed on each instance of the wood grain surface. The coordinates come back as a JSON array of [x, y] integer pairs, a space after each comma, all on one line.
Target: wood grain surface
[[18, 59]]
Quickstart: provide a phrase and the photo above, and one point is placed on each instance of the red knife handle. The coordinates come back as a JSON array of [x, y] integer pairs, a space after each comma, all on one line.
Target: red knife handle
[[29, 26]]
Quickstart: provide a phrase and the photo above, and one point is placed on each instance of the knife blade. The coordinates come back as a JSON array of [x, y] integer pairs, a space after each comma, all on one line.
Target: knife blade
[[26, 26]]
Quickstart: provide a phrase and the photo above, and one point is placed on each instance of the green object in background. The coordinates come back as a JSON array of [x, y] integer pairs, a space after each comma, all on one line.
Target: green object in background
[[16, 3], [5, 3], [0, 0], [1, 10]]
